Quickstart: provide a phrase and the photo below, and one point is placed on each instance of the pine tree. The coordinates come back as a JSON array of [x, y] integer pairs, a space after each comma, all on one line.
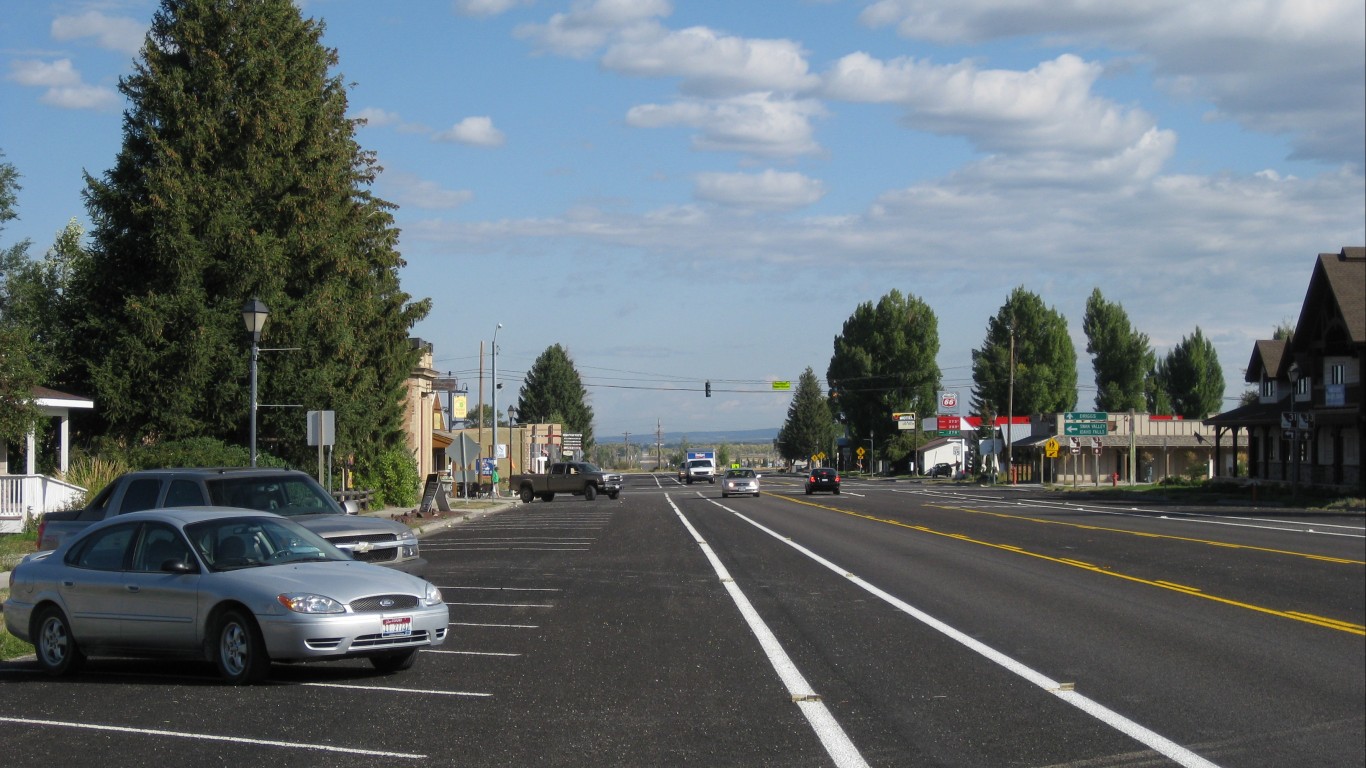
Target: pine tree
[[553, 393], [240, 177], [809, 429], [1045, 377], [1121, 356]]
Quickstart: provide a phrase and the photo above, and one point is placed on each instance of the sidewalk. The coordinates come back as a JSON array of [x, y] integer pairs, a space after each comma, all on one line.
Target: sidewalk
[[462, 511]]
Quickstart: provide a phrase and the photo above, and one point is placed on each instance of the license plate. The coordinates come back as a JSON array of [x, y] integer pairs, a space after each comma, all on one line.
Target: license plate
[[398, 627]]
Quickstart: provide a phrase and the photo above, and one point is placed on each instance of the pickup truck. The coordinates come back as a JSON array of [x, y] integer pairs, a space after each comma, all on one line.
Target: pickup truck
[[284, 492], [578, 478]]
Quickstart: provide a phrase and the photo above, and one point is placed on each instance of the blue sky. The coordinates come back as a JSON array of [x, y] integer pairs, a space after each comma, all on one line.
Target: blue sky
[[680, 191]]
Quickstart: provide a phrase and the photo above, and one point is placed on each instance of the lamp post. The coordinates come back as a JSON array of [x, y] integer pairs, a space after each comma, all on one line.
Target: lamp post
[[1294, 374], [870, 457], [495, 406], [254, 314]]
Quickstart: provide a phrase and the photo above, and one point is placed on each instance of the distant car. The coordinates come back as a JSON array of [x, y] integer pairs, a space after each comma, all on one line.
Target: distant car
[[822, 479], [701, 469], [236, 587], [739, 481], [942, 469], [682, 472]]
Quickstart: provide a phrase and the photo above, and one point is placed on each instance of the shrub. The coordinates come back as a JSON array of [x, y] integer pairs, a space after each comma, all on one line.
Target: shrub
[[93, 473], [198, 452], [392, 475]]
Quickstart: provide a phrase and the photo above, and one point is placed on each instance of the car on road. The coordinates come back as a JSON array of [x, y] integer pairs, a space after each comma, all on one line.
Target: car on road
[[739, 481], [942, 469], [822, 479], [235, 587]]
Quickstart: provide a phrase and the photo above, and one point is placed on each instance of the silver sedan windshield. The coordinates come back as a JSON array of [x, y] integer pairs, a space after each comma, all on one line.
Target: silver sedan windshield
[[247, 542]]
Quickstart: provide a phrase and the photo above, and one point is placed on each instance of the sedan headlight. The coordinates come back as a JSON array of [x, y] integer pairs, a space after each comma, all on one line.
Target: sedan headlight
[[407, 544], [303, 602], [433, 596]]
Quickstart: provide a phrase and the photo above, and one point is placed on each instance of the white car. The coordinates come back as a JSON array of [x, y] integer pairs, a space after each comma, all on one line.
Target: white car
[[701, 469], [739, 481], [237, 587]]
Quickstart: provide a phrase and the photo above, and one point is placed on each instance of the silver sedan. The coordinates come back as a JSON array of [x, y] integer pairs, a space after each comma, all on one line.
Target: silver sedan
[[235, 587], [741, 481]]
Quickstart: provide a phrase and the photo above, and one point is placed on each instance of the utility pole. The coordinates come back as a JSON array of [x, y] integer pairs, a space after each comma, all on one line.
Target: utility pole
[[627, 435], [659, 446]]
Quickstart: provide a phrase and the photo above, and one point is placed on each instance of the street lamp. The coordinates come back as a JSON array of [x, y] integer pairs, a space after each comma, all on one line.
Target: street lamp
[[495, 406], [254, 314], [1294, 376]]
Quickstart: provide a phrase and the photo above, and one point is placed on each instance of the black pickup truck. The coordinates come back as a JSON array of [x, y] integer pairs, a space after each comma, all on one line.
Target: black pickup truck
[[578, 478]]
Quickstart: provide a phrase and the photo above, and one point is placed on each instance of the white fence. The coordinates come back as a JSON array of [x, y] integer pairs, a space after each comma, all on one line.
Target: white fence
[[22, 496]]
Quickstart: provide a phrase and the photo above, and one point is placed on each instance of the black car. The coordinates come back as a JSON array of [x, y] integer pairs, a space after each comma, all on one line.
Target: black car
[[941, 469], [822, 479]]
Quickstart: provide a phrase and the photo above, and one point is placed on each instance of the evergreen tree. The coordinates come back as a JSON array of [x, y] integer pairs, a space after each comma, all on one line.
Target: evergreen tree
[[1155, 390], [1045, 379], [809, 429], [239, 177], [1121, 356], [553, 393], [20, 359], [885, 362], [1194, 378]]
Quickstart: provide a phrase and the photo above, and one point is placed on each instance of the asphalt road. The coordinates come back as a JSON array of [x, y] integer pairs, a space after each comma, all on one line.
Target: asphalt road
[[897, 624]]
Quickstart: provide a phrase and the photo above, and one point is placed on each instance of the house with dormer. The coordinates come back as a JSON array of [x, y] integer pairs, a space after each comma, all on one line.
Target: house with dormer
[[1307, 425]]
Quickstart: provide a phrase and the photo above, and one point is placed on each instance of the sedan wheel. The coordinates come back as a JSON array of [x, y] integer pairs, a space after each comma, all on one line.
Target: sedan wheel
[[241, 653], [57, 650]]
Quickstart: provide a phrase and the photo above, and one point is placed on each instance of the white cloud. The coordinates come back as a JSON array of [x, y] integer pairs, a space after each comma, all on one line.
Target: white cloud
[[712, 64], [1281, 67], [486, 8], [756, 123], [42, 74], [409, 190], [112, 32], [475, 131], [590, 24], [770, 190], [63, 84]]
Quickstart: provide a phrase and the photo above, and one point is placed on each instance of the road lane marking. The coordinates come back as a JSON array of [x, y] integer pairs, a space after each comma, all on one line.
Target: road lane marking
[[1064, 691], [472, 653], [1334, 624], [495, 626], [212, 737], [503, 605], [390, 689], [809, 703]]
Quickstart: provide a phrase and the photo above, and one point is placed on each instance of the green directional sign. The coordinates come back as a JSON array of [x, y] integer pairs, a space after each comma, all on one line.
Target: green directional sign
[[1085, 429], [1085, 416]]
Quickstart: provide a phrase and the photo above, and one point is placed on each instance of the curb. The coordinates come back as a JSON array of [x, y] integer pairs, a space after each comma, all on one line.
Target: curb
[[440, 521]]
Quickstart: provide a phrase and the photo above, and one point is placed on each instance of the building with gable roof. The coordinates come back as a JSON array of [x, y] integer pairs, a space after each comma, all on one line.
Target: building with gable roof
[[1308, 422]]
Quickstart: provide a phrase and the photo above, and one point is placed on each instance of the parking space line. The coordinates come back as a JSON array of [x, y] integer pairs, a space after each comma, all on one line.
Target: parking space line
[[502, 626], [504, 605], [391, 689], [473, 653], [212, 737]]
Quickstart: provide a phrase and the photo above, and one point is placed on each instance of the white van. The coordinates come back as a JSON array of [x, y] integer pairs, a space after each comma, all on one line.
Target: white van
[[701, 469]]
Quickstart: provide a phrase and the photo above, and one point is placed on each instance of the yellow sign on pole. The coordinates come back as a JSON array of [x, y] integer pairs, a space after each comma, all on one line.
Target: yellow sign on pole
[[1051, 448], [860, 452], [783, 385]]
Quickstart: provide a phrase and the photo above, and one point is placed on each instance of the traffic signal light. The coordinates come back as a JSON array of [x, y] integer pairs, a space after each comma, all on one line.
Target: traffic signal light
[[709, 389]]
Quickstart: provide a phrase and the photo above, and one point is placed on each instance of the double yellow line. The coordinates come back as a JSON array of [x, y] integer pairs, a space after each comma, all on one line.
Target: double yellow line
[[1307, 618]]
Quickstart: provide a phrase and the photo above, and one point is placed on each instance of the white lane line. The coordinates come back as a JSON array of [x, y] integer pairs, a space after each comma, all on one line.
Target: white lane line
[[827, 729], [212, 737], [1152, 739]]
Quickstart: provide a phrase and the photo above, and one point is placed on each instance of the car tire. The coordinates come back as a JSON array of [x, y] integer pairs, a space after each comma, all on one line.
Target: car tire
[[725, 495], [590, 492], [547, 497], [239, 651], [613, 495], [837, 491], [57, 650], [808, 491], [527, 495], [390, 663]]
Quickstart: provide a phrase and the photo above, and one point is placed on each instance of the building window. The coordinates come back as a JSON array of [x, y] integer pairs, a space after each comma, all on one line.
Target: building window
[[1337, 373], [1268, 388], [1301, 387]]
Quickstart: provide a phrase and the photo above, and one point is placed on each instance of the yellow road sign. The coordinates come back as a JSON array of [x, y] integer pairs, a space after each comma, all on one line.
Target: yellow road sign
[[860, 452], [1050, 448], [784, 385]]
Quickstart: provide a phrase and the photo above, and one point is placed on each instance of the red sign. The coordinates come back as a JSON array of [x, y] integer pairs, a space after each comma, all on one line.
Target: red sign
[[950, 423]]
